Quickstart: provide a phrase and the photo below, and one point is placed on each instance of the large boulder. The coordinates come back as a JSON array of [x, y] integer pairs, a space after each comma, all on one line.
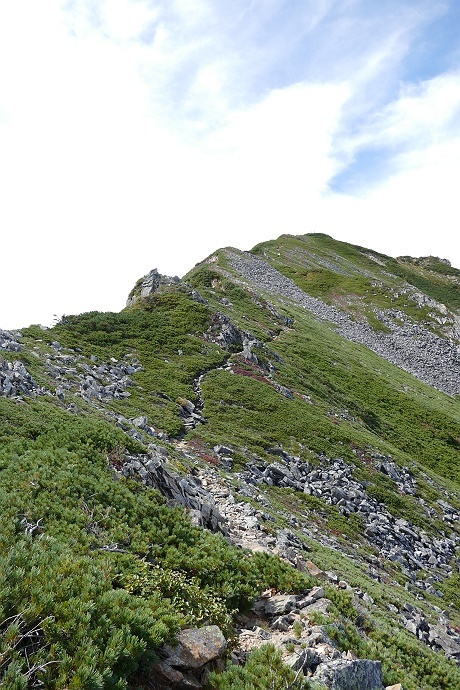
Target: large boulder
[[185, 666], [344, 674], [196, 647]]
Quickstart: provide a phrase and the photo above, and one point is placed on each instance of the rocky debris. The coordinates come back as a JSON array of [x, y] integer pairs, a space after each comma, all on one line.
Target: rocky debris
[[212, 505], [285, 622], [332, 481], [97, 383], [108, 380], [409, 345], [15, 380], [186, 491], [438, 637], [252, 528], [9, 341], [450, 514], [283, 619], [344, 674], [247, 526], [186, 664]]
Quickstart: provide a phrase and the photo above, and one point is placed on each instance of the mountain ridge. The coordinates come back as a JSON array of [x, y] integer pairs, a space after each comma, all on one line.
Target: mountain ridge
[[260, 394]]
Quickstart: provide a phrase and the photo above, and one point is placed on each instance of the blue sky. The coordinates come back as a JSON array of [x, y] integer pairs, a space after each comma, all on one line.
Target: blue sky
[[146, 133]]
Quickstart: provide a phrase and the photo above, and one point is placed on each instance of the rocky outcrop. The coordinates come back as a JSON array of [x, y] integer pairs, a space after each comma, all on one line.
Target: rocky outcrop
[[9, 341], [153, 282], [15, 380], [148, 285], [185, 491]]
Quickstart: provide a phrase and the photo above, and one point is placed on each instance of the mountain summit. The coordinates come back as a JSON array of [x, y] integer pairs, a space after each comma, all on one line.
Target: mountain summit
[[257, 463]]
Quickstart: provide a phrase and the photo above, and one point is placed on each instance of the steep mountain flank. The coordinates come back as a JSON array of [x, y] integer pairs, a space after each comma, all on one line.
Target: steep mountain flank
[[259, 461]]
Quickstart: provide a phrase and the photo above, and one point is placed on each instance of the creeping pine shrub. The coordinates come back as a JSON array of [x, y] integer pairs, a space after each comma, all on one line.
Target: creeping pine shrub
[[271, 571], [74, 552], [264, 670], [62, 618]]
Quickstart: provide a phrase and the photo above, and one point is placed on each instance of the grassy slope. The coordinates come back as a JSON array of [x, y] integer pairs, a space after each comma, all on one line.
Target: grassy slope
[[109, 572], [392, 411], [346, 275]]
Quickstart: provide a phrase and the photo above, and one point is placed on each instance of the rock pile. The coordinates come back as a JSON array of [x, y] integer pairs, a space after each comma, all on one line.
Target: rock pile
[[438, 637], [15, 380], [9, 342], [410, 346], [99, 382]]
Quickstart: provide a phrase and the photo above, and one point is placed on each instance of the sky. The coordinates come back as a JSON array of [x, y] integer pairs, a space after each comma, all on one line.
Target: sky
[[140, 134]]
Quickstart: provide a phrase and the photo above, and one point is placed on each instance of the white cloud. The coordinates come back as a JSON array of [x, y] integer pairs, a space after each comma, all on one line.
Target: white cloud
[[140, 134], [424, 113], [416, 211]]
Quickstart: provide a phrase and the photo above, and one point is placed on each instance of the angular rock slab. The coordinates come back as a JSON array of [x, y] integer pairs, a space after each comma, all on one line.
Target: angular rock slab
[[196, 647], [277, 605], [342, 674]]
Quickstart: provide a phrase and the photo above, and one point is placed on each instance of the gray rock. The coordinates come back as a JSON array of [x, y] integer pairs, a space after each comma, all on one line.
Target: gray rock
[[315, 594], [306, 659], [280, 604], [343, 674], [140, 422], [195, 648], [321, 605], [282, 623], [15, 380], [179, 490]]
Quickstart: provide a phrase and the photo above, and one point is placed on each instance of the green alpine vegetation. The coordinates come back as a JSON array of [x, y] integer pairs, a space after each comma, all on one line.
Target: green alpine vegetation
[[99, 570]]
